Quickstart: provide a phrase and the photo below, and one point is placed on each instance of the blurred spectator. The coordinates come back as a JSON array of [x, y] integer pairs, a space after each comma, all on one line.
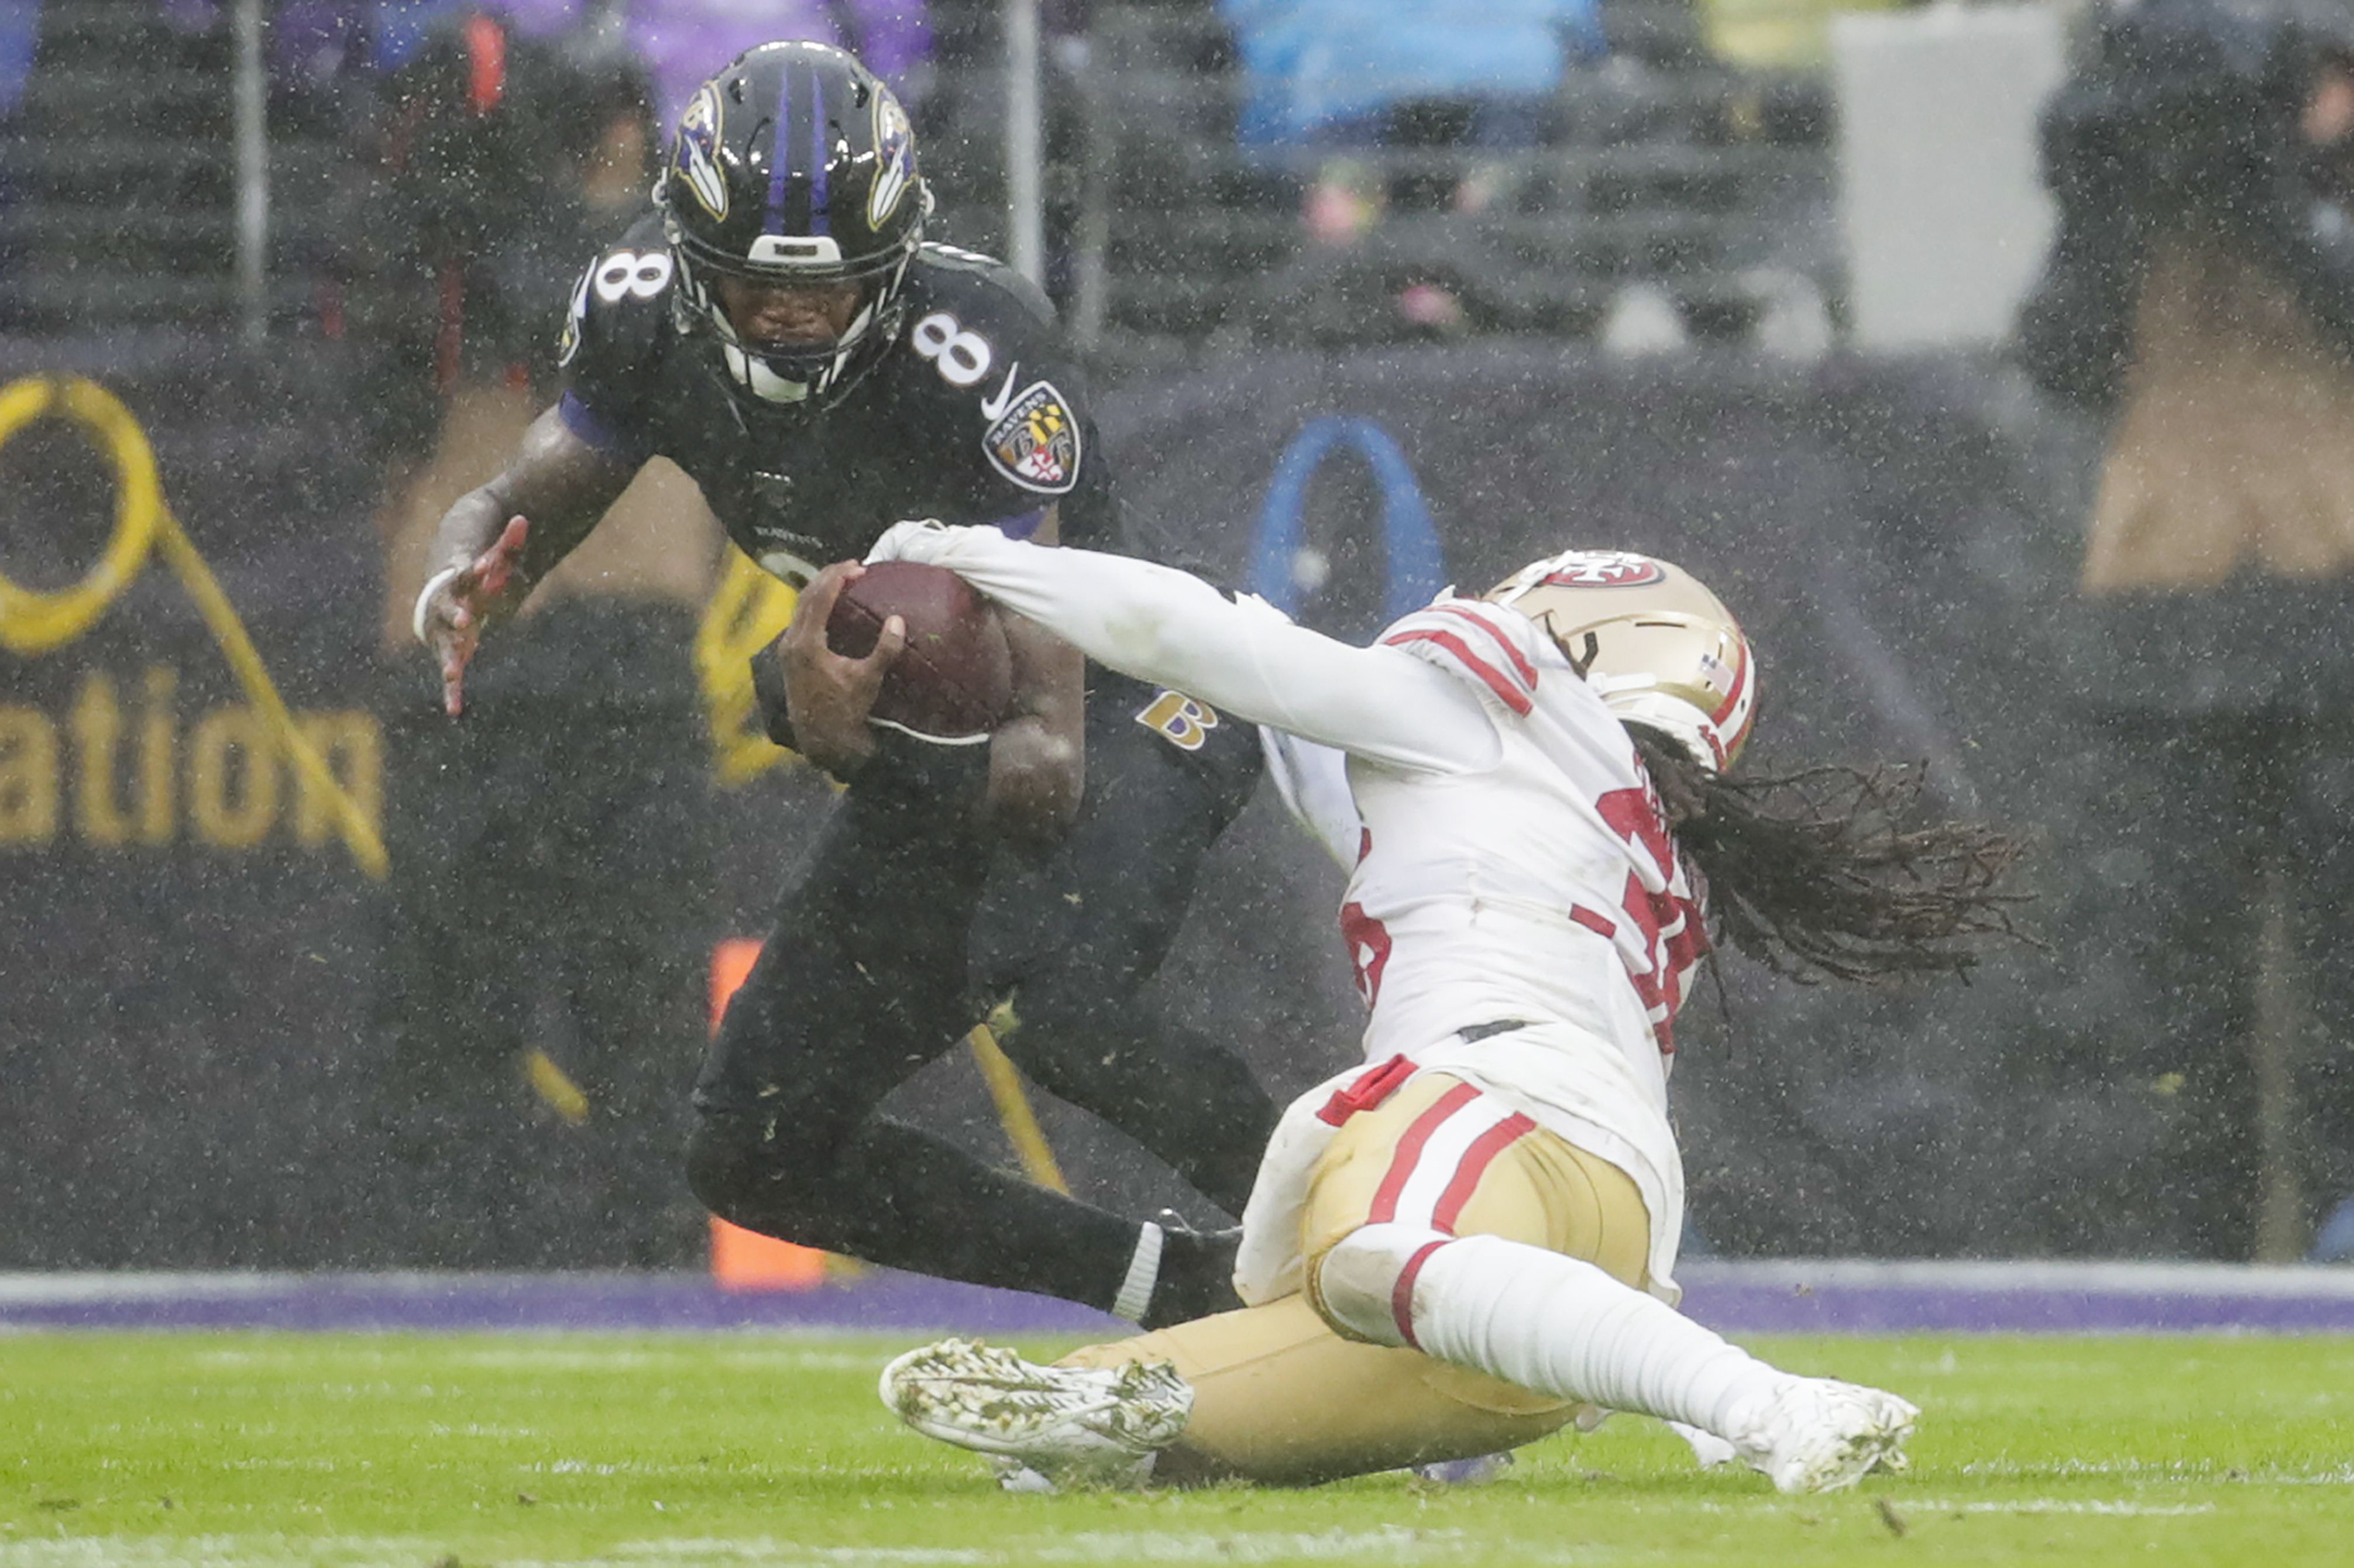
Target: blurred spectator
[[2200, 290], [545, 941], [497, 159], [396, 29], [680, 39], [21, 28], [1776, 35], [1327, 77]]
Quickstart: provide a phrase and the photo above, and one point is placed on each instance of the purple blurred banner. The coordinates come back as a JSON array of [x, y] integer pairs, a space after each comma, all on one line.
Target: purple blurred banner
[[1816, 1296]]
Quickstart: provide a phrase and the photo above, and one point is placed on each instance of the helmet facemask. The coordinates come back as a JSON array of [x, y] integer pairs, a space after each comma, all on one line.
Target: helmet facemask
[[1654, 644], [781, 375]]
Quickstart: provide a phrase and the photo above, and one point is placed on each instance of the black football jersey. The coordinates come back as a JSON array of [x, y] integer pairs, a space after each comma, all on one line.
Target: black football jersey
[[975, 413]]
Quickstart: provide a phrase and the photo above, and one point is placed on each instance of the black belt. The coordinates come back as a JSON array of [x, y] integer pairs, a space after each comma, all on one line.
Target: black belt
[[1480, 1032]]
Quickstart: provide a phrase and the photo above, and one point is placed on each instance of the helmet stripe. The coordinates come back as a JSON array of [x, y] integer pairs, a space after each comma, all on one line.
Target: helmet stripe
[[1740, 683], [778, 161], [821, 221]]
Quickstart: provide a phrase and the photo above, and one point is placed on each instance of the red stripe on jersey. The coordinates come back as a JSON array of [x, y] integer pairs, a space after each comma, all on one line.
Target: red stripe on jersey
[[1401, 1293], [1513, 697], [1600, 924], [1366, 1090], [1409, 1151], [1520, 660], [1476, 1159]]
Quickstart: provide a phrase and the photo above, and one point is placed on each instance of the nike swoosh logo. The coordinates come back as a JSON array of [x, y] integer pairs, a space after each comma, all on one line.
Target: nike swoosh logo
[[993, 408]]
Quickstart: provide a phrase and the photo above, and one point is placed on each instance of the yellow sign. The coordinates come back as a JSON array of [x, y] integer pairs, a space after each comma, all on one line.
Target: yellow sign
[[33, 624], [749, 610], [123, 766]]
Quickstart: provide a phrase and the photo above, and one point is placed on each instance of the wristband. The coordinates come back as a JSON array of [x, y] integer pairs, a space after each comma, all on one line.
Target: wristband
[[433, 585]]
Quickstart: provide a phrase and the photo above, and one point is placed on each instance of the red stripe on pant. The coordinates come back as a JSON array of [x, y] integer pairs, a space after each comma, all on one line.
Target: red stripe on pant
[[1409, 1151], [1476, 1159]]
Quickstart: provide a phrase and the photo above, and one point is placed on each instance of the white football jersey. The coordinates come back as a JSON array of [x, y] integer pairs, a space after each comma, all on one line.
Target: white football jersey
[[1544, 887], [1468, 885]]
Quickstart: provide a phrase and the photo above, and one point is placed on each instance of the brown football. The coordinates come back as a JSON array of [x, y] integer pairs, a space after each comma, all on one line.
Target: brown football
[[955, 678]]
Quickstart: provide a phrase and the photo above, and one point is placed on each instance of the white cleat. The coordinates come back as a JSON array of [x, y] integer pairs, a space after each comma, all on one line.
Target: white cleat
[[1082, 1425], [1819, 1435]]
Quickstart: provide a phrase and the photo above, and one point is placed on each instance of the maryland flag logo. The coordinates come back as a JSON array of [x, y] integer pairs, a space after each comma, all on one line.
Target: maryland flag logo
[[1036, 442]]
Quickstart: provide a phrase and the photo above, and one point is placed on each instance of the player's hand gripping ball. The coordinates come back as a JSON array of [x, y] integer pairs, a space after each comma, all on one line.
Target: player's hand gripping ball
[[954, 681]]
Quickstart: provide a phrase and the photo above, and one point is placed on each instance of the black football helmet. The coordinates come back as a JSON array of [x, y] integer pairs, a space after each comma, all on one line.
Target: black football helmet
[[794, 164]]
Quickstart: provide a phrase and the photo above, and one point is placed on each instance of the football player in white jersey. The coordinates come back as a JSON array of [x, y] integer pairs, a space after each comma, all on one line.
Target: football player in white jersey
[[1468, 1242]]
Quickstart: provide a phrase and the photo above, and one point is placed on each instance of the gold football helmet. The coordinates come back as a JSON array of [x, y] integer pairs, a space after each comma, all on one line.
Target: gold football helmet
[[1656, 645]]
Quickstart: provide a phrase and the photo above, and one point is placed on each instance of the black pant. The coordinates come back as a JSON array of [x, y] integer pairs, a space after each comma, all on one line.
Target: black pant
[[897, 936], [2202, 814]]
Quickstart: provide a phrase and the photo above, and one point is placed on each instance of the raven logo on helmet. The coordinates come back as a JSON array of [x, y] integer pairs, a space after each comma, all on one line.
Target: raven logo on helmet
[[895, 152], [698, 135]]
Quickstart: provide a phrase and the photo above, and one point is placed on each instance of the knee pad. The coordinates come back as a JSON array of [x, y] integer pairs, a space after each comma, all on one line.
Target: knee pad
[[1363, 1284]]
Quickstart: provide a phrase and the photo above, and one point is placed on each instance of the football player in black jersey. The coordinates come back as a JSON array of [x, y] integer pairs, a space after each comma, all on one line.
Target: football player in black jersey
[[779, 329]]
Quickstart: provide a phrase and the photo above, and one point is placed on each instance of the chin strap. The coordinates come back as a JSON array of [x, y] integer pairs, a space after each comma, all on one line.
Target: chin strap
[[1673, 718]]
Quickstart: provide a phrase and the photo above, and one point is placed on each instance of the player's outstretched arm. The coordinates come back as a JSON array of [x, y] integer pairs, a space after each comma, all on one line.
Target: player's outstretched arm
[[456, 603], [1037, 768], [1164, 625], [497, 541], [1037, 758]]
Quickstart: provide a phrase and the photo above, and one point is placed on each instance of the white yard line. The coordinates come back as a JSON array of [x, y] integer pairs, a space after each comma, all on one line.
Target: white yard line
[[1388, 1544]]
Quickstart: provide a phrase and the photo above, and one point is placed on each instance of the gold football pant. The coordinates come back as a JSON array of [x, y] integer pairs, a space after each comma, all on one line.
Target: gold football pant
[[1280, 1398]]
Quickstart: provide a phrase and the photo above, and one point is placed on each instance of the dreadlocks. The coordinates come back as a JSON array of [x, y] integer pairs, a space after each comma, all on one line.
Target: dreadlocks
[[1816, 873]]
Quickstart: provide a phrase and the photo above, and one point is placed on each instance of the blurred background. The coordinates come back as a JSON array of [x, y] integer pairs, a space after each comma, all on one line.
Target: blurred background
[[1995, 362]]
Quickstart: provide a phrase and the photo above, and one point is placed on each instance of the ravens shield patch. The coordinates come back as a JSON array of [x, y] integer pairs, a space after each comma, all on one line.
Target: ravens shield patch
[[1035, 443]]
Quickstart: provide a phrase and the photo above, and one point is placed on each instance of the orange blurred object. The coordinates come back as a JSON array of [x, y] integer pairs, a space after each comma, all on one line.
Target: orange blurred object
[[742, 1259]]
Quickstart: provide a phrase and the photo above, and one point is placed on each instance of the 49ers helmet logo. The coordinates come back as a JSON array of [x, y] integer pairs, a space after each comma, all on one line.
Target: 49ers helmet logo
[[1603, 569]]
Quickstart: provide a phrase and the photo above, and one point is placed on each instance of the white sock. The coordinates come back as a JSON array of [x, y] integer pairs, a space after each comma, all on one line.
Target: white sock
[[1143, 1274], [1562, 1327]]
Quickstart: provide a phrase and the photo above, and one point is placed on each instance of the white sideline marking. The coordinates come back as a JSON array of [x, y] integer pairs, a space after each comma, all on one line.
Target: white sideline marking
[[216, 1551], [2158, 1470], [2053, 1505], [562, 1355], [2226, 1280], [1387, 1545]]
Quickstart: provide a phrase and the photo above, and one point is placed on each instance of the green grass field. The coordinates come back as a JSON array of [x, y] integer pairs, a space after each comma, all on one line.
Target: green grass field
[[658, 1451]]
